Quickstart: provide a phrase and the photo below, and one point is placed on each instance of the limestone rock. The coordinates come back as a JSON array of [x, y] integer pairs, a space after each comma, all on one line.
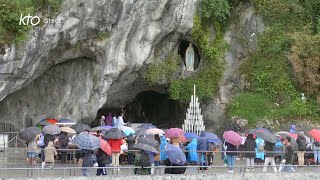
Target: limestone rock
[[66, 69]]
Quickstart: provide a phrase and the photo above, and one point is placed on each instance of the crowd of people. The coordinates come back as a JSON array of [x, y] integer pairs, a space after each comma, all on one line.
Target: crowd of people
[[147, 151]]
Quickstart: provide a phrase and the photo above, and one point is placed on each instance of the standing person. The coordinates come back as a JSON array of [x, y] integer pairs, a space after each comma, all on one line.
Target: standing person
[[316, 151], [250, 146], [270, 149], [231, 155], [50, 152], [102, 120], [157, 155], [302, 146], [89, 160], [102, 160], [120, 123], [31, 152], [292, 128], [260, 151], [43, 142], [288, 156], [63, 145], [167, 162], [114, 121], [115, 145], [109, 119], [192, 151], [151, 160], [130, 140], [237, 127], [163, 144], [202, 148]]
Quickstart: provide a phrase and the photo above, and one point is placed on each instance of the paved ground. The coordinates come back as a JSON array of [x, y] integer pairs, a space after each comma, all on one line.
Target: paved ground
[[17, 159]]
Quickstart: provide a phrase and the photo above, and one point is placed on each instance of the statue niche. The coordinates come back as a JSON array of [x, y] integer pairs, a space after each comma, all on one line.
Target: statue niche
[[189, 58]]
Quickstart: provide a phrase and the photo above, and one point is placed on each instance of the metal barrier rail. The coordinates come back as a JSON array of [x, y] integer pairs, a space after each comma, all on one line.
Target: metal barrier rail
[[71, 171]]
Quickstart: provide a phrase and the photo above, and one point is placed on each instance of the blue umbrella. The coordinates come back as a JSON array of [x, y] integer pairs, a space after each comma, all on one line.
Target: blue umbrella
[[175, 154], [147, 126], [86, 141], [191, 135], [211, 137]]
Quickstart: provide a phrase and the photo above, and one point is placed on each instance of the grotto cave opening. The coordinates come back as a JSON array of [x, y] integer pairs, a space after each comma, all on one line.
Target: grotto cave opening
[[152, 107]]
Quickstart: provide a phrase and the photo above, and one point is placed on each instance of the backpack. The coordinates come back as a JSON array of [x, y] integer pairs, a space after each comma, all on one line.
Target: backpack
[[142, 159], [40, 142], [211, 146], [302, 144], [260, 147], [64, 142], [317, 144]]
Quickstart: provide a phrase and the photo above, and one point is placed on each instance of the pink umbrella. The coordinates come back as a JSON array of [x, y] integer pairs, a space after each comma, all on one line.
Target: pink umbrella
[[154, 131], [104, 146], [232, 137], [176, 132]]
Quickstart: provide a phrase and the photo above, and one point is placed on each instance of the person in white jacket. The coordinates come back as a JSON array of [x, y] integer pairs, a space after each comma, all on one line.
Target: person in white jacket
[[119, 123]]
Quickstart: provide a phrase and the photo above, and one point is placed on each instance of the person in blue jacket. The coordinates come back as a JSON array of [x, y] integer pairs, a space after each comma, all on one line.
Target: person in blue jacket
[[202, 148], [163, 144], [192, 151], [260, 150]]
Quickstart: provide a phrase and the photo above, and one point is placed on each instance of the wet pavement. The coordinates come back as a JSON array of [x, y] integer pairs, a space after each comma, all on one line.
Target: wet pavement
[[16, 158]]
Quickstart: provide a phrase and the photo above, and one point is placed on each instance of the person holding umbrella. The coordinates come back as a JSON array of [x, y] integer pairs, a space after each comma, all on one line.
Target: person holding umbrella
[[32, 149], [102, 160], [250, 146], [115, 137], [269, 156], [232, 140], [63, 145]]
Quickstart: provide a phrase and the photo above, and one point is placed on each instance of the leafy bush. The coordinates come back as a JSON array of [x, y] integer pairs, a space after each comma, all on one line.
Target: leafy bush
[[163, 70], [215, 10], [255, 106], [10, 12]]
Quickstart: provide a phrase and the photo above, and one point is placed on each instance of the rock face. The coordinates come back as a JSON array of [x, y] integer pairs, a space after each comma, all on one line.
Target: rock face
[[70, 69], [242, 39]]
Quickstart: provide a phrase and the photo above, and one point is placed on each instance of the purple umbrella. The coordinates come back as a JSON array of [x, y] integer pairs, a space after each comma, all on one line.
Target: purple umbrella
[[211, 137], [191, 135], [232, 137], [175, 154]]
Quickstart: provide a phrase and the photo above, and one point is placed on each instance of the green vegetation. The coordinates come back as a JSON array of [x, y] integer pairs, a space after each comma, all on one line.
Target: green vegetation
[[256, 106], [163, 70], [212, 12], [10, 12], [289, 44]]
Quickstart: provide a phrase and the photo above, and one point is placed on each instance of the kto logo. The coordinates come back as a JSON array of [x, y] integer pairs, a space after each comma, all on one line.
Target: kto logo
[[33, 20]]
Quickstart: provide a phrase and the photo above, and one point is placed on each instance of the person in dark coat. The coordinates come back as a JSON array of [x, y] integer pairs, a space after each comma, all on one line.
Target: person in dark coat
[[231, 152], [63, 144], [130, 140], [102, 160], [202, 148], [270, 149], [249, 148], [288, 156], [302, 146], [88, 161]]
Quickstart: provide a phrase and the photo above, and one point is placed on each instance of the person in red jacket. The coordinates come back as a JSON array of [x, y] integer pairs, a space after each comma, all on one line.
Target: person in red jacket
[[115, 145]]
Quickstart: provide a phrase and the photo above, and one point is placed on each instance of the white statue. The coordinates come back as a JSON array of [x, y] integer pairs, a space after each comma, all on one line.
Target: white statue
[[190, 58]]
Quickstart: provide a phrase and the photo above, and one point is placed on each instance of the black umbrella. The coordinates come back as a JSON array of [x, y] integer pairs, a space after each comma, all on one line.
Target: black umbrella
[[114, 133], [145, 147], [79, 128], [149, 141], [267, 136], [29, 133]]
